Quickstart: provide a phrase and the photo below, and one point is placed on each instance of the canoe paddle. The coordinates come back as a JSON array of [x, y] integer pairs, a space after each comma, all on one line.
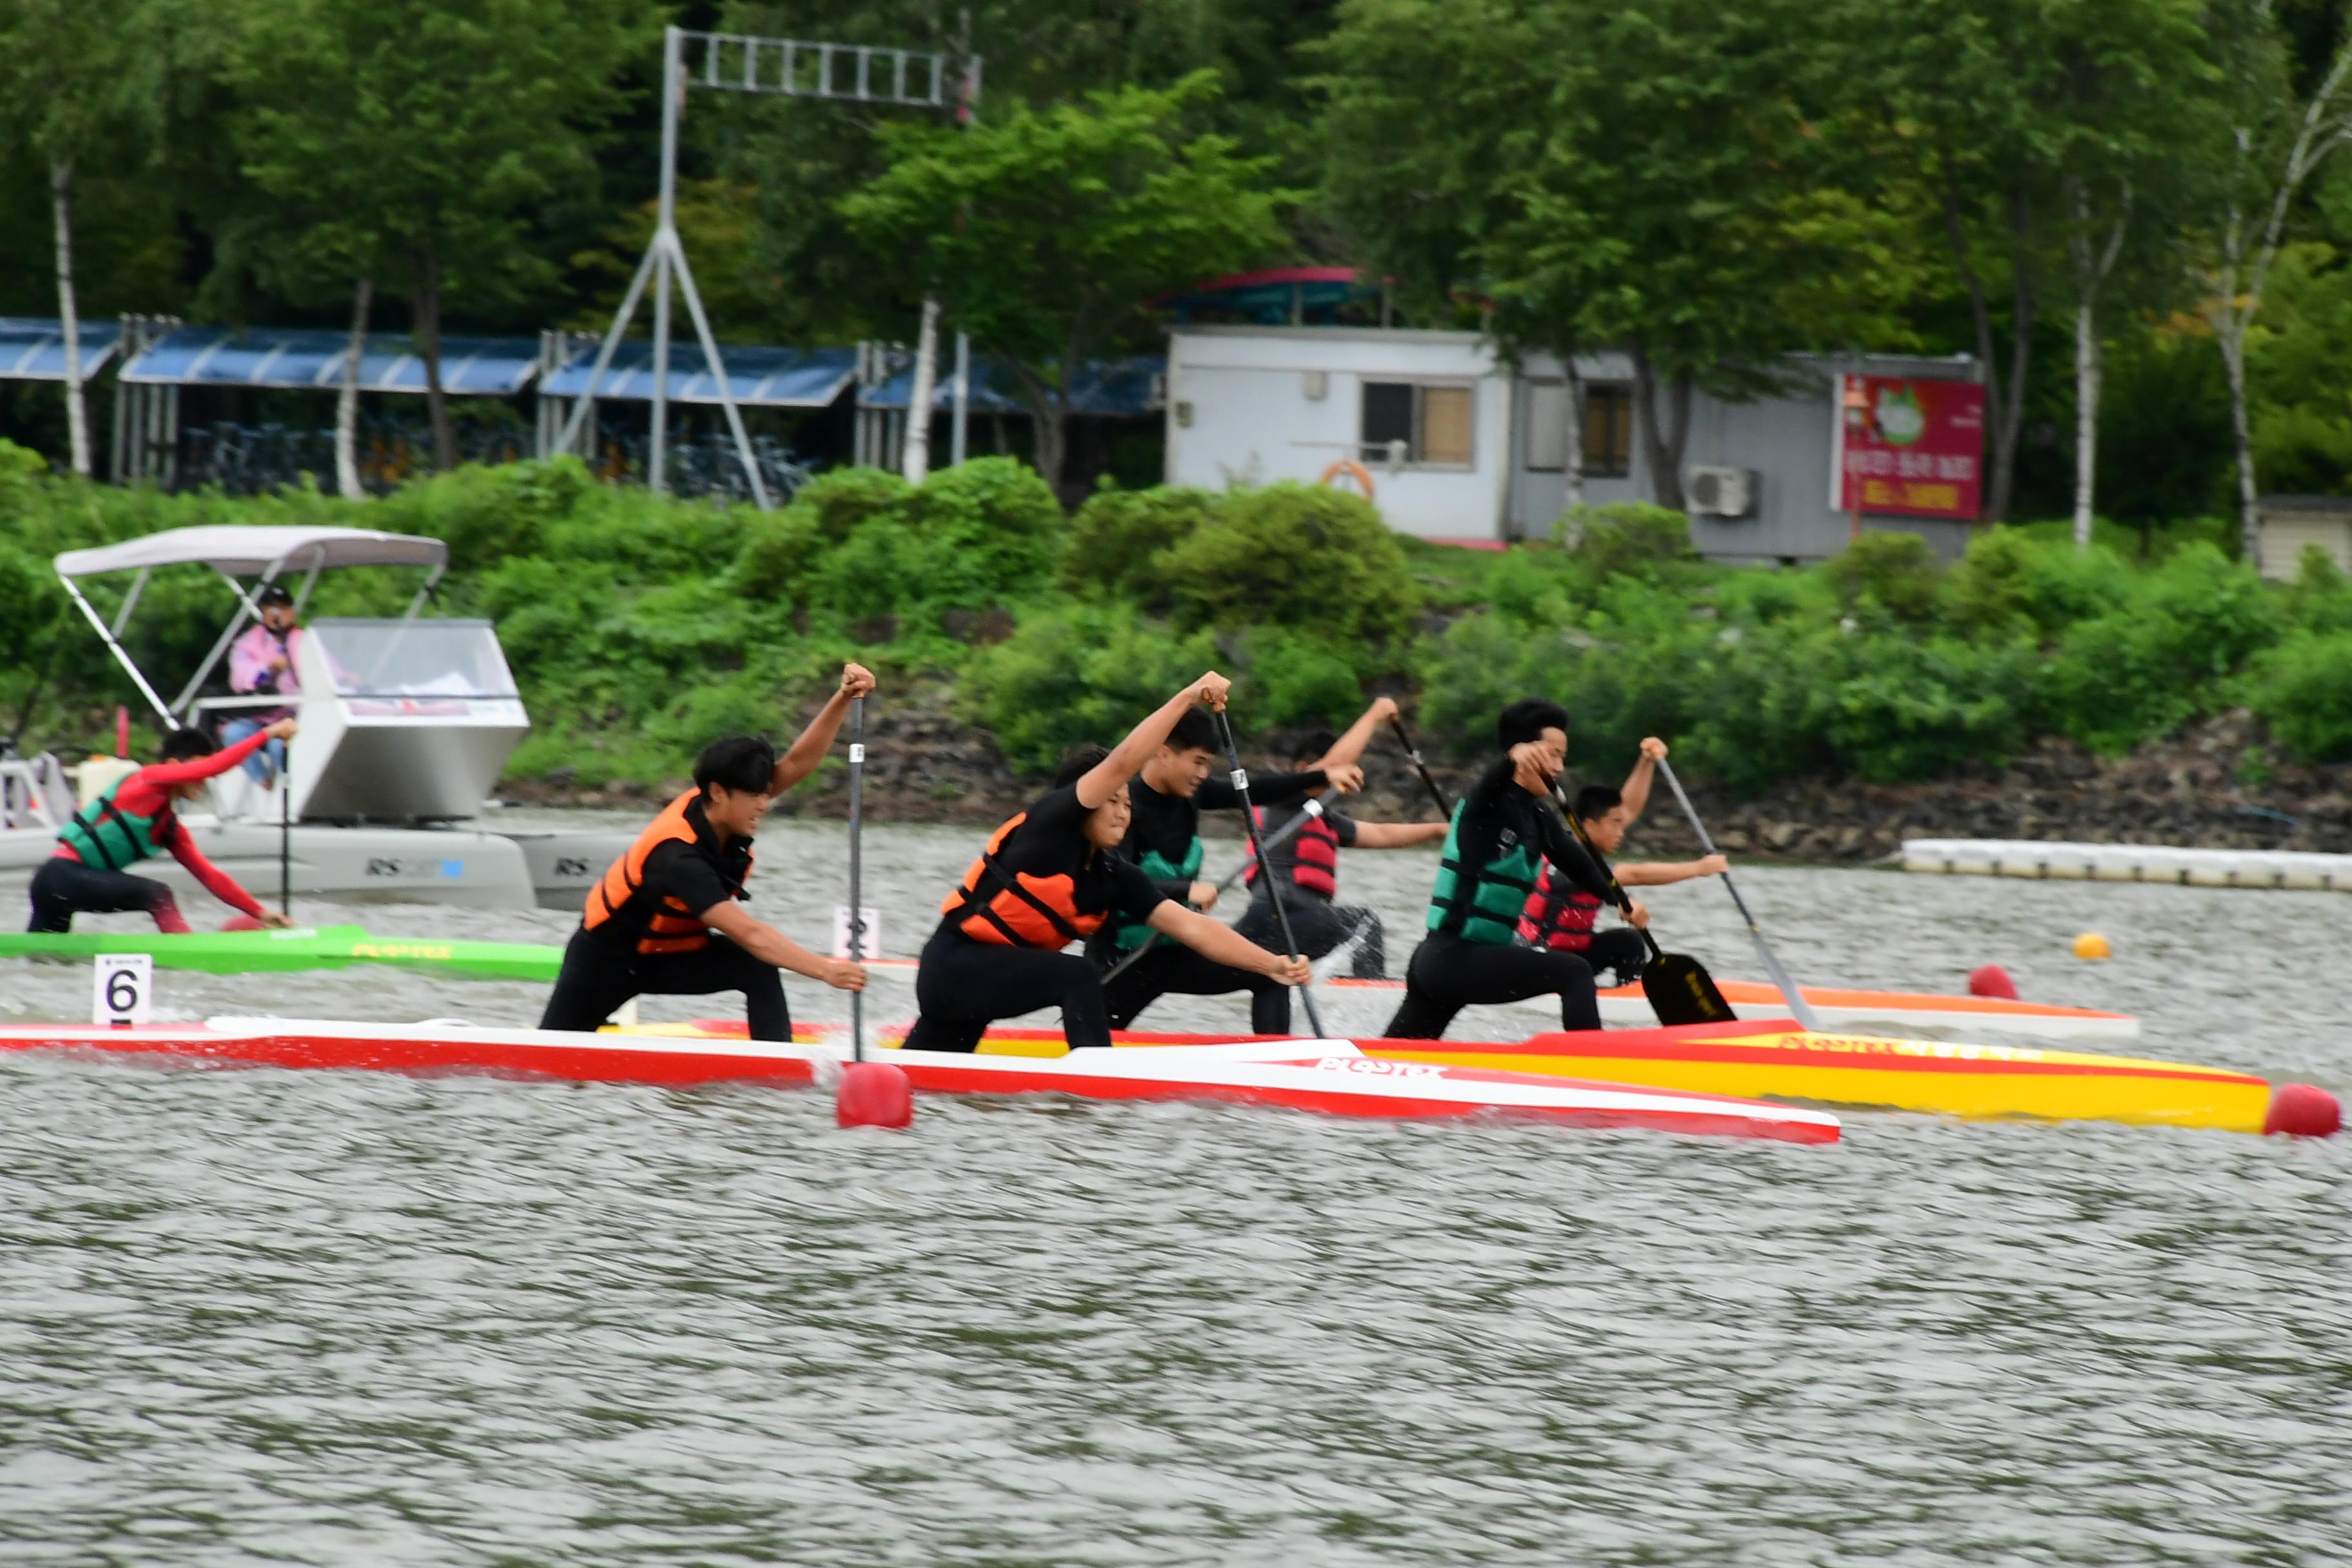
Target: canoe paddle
[[1273, 882], [285, 833], [1307, 812], [1679, 988], [1798, 1008], [1404, 737], [857, 886]]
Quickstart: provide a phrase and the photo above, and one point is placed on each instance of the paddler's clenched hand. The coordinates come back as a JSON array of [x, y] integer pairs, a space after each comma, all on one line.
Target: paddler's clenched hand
[[1531, 767], [843, 974], [1347, 778], [857, 681], [1209, 691], [282, 730], [276, 920], [1637, 913], [1201, 896], [1290, 971], [1654, 748], [1714, 865]]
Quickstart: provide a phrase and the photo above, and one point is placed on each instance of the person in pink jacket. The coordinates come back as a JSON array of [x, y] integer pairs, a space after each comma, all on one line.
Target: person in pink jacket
[[261, 664]]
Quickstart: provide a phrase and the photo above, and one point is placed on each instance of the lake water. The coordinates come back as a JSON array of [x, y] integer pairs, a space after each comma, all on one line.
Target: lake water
[[256, 1316]]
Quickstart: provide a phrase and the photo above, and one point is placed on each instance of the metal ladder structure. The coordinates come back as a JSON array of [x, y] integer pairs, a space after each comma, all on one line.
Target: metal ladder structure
[[788, 67]]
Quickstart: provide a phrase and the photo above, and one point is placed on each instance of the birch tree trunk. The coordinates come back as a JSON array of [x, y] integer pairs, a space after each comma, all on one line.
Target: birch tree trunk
[[1572, 448], [919, 398], [347, 400], [77, 408], [2232, 343], [2091, 271]]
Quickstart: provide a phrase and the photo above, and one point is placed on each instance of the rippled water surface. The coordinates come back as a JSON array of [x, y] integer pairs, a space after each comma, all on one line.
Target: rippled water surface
[[263, 1316]]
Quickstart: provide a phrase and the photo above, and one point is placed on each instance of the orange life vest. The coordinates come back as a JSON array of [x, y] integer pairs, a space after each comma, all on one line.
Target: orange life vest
[[663, 924], [1024, 910]]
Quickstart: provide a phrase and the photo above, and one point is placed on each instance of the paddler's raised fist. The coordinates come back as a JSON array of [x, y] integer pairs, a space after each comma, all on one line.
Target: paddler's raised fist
[[1347, 778], [282, 730], [1531, 767], [843, 974], [856, 680], [1291, 971], [1210, 690], [1383, 710], [1654, 748]]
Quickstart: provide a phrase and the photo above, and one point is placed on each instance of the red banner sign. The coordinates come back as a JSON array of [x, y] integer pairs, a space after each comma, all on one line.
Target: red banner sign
[[1907, 446]]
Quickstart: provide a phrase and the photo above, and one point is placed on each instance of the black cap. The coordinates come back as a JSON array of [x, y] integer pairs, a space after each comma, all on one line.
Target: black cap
[[273, 593]]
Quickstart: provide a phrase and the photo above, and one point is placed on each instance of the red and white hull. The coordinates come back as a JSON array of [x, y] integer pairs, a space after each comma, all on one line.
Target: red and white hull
[[1329, 1076]]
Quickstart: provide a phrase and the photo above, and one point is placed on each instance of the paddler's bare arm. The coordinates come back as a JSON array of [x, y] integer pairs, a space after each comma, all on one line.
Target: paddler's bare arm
[[1102, 781], [769, 945], [1396, 834], [1635, 790], [1350, 745], [1217, 941], [797, 764], [1657, 874]]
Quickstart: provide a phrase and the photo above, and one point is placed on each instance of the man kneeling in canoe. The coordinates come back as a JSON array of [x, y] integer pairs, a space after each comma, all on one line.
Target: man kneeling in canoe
[[1563, 918], [1053, 876], [665, 920], [134, 819], [1504, 832]]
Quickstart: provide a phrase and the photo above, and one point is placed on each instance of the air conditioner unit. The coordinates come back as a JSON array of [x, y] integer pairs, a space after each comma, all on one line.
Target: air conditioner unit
[[1721, 492]]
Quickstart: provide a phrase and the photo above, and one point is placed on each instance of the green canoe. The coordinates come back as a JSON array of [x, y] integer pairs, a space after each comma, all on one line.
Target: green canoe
[[321, 947]]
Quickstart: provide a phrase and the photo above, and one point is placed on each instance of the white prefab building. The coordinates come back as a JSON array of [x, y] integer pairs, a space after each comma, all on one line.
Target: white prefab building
[[1456, 445]]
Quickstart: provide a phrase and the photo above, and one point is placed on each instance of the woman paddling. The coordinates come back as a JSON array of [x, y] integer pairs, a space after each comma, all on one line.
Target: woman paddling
[[665, 920], [1053, 876], [136, 817]]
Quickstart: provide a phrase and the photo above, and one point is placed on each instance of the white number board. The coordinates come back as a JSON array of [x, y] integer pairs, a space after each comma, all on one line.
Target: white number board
[[873, 944], [124, 992]]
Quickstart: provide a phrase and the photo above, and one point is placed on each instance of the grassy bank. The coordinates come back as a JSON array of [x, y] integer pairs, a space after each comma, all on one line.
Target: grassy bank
[[640, 628]]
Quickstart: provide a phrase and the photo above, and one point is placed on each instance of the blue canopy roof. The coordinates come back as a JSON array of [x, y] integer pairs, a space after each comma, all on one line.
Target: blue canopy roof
[[33, 347], [1121, 387], [313, 360], [758, 377]]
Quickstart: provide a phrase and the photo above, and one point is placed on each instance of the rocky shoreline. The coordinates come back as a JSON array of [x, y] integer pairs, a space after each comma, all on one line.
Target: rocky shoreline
[[2215, 786]]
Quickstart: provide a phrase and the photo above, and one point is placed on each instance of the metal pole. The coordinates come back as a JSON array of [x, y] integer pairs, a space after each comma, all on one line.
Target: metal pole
[[285, 833], [956, 443], [856, 882], [718, 369], [585, 404], [665, 243]]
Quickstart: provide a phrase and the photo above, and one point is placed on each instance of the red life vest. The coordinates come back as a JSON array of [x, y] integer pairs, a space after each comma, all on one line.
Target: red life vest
[[662, 925], [1024, 910], [1314, 857], [1562, 920]]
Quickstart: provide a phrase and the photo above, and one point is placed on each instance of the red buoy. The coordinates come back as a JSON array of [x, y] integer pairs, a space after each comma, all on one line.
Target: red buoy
[[874, 1094], [2299, 1110], [240, 922], [1991, 980]]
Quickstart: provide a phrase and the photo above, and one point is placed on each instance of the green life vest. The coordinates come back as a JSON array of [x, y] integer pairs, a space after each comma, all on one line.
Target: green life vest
[[1482, 904], [106, 837], [1128, 935]]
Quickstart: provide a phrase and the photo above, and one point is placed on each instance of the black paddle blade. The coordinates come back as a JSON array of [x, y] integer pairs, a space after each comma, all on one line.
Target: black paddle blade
[[1682, 992]]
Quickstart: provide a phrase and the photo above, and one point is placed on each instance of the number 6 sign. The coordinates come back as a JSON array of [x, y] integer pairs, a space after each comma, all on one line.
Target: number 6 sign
[[125, 990]]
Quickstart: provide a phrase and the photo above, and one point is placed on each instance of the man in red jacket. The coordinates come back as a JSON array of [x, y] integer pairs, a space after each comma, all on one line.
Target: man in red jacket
[[136, 818]]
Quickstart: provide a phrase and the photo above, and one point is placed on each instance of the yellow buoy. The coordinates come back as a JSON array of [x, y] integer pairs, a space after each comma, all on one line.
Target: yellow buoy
[[2091, 945]]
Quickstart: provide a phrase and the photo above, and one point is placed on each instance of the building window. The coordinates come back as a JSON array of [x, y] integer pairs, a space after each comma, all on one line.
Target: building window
[[1608, 431], [1434, 424]]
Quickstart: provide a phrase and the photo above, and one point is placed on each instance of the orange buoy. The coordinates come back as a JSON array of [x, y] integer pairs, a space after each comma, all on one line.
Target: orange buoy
[[2092, 945], [1348, 468]]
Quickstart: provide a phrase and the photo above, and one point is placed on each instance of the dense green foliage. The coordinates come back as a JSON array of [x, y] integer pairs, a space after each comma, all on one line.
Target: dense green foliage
[[640, 628]]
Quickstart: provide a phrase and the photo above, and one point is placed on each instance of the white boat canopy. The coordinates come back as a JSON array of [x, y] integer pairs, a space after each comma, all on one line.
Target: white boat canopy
[[235, 551], [249, 548]]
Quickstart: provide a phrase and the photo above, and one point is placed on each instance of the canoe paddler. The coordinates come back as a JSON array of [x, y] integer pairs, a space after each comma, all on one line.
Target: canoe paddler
[[1503, 833], [1168, 793], [1308, 865], [134, 818], [1563, 917], [665, 920], [1054, 874]]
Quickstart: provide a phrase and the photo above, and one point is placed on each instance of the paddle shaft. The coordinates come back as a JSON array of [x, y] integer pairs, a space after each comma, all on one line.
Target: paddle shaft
[[286, 835], [1314, 808], [1273, 882], [856, 870], [1798, 1008], [1404, 737]]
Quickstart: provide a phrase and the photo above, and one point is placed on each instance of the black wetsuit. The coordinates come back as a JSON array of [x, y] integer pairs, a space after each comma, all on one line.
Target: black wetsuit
[[1317, 919]]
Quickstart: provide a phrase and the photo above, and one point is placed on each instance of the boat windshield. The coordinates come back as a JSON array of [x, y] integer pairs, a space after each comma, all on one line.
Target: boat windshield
[[393, 658]]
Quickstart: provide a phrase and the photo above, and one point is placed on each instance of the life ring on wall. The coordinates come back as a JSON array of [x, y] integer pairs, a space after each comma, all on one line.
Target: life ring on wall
[[1348, 468]]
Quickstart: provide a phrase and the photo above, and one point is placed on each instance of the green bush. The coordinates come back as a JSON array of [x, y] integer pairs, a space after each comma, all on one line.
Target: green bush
[[1898, 571], [2320, 597], [1075, 675], [1625, 537], [1295, 555], [1117, 537], [1292, 681], [2303, 689], [2009, 579], [2160, 657]]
